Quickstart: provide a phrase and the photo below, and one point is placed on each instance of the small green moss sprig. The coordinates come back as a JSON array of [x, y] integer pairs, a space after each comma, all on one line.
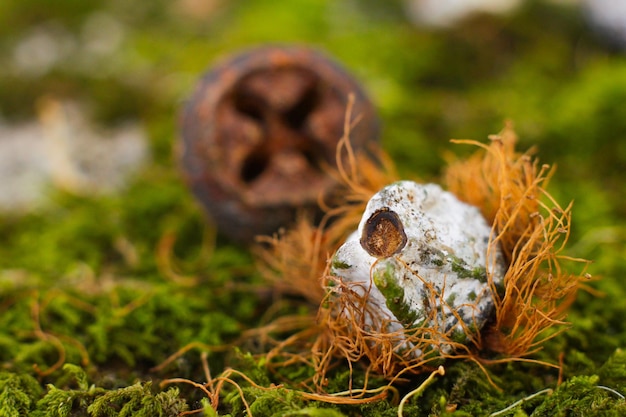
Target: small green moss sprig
[[18, 394], [22, 395]]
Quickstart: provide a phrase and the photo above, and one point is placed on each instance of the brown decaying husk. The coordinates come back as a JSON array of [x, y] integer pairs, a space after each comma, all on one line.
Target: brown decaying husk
[[532, 230], [528, 225]]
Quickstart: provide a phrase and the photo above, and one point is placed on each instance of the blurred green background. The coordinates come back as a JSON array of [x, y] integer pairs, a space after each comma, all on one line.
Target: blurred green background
[[543, 66]]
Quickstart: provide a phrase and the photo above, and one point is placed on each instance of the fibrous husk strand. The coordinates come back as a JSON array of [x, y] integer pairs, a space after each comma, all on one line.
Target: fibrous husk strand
[[531, 228]]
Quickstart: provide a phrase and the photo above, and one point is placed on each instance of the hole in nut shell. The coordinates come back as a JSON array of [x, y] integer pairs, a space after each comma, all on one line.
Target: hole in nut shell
[[254, 165], [314, 157], [383, 234], [248, 105], [298, 114]]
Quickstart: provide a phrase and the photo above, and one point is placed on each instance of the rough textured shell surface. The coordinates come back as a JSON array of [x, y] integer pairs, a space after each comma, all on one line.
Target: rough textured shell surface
[[440, 275]]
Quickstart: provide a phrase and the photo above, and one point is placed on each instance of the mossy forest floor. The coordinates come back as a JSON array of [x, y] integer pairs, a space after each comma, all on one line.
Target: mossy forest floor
[[97, 292]]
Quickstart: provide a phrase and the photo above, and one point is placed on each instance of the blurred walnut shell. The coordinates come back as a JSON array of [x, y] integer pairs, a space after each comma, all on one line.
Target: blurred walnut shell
[[259, 130]]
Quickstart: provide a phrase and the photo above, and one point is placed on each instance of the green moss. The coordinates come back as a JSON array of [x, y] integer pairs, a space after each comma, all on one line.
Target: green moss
[[450, 299], [18, 394], [81, 278], [459, 266], [72, 395], [386, 281], [337, 264], [613, 372], [581, 396], [463, 271], [458, 336]]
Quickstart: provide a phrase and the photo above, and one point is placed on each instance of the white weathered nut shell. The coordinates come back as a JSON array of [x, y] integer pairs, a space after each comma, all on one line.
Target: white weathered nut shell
[[427, 254]]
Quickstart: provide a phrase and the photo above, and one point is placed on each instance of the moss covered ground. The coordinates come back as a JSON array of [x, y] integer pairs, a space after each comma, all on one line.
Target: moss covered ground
[[98, 292]]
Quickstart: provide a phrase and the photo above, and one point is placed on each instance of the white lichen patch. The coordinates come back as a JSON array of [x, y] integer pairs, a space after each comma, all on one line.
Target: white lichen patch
[[422, 258]]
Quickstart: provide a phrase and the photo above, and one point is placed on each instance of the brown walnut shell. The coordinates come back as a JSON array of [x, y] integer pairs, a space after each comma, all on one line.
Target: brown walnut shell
[[258, 131]]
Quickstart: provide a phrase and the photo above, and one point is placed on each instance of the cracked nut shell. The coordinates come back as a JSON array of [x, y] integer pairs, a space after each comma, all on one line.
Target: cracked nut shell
[[259, 129]]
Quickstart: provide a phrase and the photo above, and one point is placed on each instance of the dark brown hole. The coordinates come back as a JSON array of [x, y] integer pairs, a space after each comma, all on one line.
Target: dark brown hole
[[383, 234], [314, 157], [249, 105], [254, 165], [299, 112]]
